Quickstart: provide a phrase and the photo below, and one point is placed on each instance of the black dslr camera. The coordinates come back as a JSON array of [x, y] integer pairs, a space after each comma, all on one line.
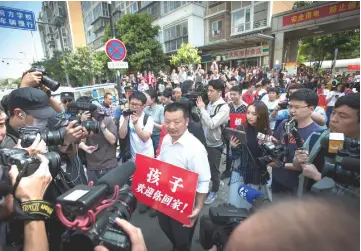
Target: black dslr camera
[[21, 159], [51, 138], [128, 112], [52, 84]]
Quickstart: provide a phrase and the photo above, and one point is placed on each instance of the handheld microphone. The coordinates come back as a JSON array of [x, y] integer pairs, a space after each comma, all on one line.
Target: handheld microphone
[[81, 198], [253, 196], [333, 142]]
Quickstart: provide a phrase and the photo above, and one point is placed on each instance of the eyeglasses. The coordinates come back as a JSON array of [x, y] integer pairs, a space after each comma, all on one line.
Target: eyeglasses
[[296, 107], [136, 105]]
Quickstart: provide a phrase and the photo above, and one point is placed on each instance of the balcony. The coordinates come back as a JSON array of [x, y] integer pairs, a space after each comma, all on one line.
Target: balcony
[[97, 43], [100, 23], [225, 6]]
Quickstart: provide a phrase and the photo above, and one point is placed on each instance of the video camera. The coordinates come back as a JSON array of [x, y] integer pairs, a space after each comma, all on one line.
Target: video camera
[[21, 159], [73, 108], [344, 168], [52, 84], [216, 227], [93, 210]]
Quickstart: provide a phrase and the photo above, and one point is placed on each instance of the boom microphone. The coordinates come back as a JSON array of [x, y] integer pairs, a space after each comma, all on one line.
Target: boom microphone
[[73, 107], [81, 198]]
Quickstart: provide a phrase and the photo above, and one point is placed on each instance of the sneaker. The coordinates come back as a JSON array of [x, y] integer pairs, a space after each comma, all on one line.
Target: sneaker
[[210, 198], [226, 174]]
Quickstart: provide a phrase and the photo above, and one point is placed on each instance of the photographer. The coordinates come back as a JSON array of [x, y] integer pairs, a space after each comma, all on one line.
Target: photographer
[[33, 79], [213, 117], [301, 106], [345, 118], [138, 126], [32, 188], [100, 148], [246, 167]]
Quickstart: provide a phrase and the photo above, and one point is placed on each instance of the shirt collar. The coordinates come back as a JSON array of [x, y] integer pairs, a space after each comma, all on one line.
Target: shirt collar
[[219, 101], [182, 140]]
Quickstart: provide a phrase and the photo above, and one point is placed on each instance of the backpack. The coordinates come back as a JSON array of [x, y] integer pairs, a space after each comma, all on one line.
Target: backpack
[[124, 144], [259, 98], [223, 126]]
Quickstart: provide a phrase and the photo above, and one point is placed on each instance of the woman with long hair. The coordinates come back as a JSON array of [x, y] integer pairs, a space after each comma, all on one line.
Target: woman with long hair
[[247, 169]]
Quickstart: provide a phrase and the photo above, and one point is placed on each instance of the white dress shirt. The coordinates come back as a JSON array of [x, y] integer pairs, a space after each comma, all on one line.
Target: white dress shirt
[[188, 153]]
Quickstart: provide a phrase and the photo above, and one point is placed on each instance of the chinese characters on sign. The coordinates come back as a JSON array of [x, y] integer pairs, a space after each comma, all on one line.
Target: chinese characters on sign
[[247, 52], [236, 119], [324, 11], [17, 19], [164, 187]]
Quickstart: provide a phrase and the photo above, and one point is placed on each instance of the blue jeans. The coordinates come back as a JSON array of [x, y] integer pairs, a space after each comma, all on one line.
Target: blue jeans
[[155, 139]]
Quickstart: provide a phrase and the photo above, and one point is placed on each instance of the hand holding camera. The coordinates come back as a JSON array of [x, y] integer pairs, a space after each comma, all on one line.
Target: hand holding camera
[[34, 186], [302, 156], [31, 79], [73, 135], [37, 147]]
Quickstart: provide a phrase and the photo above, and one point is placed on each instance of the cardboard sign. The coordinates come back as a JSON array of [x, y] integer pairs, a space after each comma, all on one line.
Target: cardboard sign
[[165, 187], [236, 119]]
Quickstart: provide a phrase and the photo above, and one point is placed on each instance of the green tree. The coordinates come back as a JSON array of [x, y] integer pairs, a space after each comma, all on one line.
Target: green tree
[[138, 34], [320, 48], [187, 56], [53, 67], [85, 65]]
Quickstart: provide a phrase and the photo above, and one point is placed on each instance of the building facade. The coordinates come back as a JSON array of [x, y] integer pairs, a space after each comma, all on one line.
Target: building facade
[[60, 20], [239, 32]]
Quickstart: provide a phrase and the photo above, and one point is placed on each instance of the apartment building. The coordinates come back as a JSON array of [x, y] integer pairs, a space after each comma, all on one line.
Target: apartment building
[[239, 32], [60, 20]]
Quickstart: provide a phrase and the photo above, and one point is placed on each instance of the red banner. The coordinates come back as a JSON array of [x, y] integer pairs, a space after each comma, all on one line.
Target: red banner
[[353, 67], [321, 12], [165, 187], [236, 119]]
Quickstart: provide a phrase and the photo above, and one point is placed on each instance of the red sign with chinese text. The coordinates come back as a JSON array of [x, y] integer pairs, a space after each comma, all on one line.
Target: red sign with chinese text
[[236, 119], [167, 188], [321, 12], [353, 67]]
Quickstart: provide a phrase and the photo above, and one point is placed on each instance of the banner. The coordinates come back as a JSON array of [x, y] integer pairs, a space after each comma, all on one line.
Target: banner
[[320, 12], [236, 119], [165, 187], [256, 51], [291, 68]]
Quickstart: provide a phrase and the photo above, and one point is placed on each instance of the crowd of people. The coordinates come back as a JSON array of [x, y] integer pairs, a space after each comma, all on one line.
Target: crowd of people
[[179, 118]]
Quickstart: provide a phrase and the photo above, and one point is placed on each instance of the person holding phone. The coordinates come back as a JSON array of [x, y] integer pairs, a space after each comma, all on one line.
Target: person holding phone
[[246, 167], [331, 99]]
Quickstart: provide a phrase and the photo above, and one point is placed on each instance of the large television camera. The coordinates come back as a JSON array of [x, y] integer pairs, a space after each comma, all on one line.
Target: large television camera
[[216, 227], [89, 212], [344, 168]]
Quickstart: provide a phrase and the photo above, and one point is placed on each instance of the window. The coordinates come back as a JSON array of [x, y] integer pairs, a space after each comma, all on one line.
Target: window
[[241, 21], [174, 36], [169, 6], [144, 3], [134, 8], [61, 12], [217, 28]]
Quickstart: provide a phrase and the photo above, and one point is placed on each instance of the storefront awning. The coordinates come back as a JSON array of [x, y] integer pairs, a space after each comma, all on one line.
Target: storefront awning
[[239, 42]]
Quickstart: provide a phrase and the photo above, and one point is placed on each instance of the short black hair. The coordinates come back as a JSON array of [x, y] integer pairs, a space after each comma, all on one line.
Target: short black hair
[[177, 106], [187, 86], [272, 89], [236, 89], [307, 95], [342, 85], [216, 84], [265, 82], [167, 93], [139, 96], [296, 86], [85, 99], [152, 94], [107, 94], [351, 100]]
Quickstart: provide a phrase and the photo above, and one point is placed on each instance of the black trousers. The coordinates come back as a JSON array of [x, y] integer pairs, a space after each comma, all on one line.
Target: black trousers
[[181, 237], [214, 159]]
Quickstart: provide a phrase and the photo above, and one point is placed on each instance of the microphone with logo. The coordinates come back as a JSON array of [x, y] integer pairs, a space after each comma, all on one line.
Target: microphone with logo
[[253, 196]]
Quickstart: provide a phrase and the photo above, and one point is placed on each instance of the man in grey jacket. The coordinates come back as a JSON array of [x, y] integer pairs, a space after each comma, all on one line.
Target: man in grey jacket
[[213, 119]]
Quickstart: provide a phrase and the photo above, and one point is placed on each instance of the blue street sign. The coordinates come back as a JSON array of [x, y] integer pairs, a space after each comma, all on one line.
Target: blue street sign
[[17, 19]]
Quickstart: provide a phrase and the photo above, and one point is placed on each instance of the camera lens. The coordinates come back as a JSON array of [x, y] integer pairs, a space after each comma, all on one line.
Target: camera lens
[[50, 83], [53, 138], [54, 162], [28, 139], [91, 126]]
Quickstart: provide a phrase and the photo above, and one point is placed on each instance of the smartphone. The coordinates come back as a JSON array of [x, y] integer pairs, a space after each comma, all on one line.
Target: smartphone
[[239, 135]]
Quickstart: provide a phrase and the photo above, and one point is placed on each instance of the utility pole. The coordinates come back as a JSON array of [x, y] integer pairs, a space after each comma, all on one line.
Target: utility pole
[[117, 73]]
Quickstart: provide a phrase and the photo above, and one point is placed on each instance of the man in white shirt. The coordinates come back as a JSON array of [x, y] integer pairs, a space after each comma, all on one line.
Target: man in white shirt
[[182, 149], [140, 126], [143, 86]]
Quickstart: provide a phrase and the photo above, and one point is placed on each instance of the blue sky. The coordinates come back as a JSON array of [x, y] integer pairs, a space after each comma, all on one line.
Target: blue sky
[[13, 41]]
